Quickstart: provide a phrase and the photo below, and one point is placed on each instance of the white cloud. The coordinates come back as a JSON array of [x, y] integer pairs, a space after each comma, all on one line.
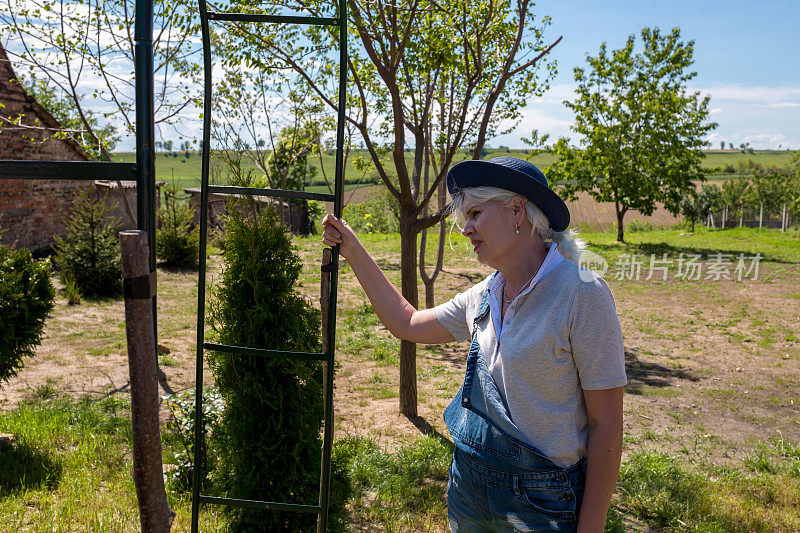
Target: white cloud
[[758, 94], [782, 105]]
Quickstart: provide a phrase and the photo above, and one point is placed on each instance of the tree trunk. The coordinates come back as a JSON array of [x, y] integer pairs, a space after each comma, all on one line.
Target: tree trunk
[[741, 217], [408, 277], [430, 300], [620, 226], [148, 472], [724, 216], [429, 281], [760, 215]]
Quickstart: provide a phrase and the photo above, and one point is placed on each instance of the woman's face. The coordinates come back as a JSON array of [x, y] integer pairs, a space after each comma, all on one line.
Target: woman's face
[[490, 228]]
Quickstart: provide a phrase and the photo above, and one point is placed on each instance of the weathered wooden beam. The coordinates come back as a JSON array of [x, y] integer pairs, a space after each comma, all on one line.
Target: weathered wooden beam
[[155, 515]]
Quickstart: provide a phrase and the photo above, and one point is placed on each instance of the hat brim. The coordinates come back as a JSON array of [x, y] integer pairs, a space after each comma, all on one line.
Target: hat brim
[[478, 173]]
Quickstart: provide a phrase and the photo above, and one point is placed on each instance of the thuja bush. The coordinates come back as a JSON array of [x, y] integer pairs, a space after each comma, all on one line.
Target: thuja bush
[[177, 242], [90, 252], [26, 298], [268, 439]]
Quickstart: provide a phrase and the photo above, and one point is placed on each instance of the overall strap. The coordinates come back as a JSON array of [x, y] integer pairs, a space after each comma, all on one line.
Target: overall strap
[[483, 307]]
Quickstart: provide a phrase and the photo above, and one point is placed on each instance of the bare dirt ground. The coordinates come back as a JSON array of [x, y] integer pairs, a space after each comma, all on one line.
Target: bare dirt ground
[[713, 366]]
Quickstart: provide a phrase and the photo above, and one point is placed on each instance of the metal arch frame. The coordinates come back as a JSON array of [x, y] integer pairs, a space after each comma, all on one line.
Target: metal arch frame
[[324, 491], [143, 171]]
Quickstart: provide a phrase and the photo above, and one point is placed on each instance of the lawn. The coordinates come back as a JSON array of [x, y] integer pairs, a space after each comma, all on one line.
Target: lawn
[[712, 412]]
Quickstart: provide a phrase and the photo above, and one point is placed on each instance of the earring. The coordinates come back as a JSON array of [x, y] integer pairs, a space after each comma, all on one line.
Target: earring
[[516, 228]]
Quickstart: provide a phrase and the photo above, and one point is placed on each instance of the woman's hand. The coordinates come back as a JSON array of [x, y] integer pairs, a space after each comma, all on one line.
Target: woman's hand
[[336, 231], [399, 317]]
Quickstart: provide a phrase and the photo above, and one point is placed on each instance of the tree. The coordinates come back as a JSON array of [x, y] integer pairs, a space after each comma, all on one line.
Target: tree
[[63, 110], [641, 131], [26, 298], [255, 105], [709, 200], [80, 48], [269, 433], [734, 194], [689, 207], [425, 76], [769, 190], [90, 252]]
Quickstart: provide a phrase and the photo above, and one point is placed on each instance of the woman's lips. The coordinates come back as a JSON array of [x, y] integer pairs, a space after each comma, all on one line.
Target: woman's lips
[[476, 245]]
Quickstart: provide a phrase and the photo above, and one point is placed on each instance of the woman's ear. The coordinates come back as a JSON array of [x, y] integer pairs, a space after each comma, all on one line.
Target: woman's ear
[[518, 205]]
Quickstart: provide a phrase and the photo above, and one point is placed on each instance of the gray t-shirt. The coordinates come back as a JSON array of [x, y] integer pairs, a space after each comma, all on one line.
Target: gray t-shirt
[[564, 338]]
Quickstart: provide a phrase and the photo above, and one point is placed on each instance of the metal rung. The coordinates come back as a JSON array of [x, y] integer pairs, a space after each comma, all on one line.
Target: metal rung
[[279, 19], [67, 170], [280, 193], [243, 350], [277, 506]]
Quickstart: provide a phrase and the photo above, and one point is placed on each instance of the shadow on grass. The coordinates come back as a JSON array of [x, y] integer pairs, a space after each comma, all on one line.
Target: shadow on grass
[[426, 428], [387, 265], [472, 277], [454, 354], [24, 467], [644, 373]]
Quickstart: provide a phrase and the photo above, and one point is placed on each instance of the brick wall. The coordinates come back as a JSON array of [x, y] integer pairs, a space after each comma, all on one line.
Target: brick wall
[[32, 211]]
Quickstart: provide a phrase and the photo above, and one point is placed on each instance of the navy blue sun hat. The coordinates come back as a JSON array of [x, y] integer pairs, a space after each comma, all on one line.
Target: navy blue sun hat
[[515, 175]]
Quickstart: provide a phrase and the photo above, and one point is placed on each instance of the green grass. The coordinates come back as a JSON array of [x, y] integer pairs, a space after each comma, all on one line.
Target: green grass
[[773, 245], [400, 491], [762, 493], [69, 469]]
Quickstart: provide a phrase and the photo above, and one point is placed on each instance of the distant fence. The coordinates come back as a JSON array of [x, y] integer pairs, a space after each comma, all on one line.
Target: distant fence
[[732, 217]]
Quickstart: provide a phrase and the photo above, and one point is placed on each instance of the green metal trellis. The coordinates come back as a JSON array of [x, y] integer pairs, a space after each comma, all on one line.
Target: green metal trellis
[[328, 356]]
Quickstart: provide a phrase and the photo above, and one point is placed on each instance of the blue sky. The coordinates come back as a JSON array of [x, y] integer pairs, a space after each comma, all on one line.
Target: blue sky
[[746, 57]]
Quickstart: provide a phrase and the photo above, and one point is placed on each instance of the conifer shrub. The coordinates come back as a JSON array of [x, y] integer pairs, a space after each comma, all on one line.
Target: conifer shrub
[[90, 252], [26, 298], [177, 241], [268, 439]]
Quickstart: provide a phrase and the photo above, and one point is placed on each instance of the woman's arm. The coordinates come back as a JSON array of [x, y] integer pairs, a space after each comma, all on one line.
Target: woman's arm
[[604, 410], [400, 317]]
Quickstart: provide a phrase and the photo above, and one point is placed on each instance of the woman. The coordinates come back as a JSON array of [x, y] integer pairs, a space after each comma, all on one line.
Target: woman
[[538, 421]]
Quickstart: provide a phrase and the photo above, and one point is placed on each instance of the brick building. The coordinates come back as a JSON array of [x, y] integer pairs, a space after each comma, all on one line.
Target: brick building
[[32, 211]]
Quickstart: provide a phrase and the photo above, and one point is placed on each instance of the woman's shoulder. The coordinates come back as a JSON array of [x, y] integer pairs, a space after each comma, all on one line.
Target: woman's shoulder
[[581, 282]]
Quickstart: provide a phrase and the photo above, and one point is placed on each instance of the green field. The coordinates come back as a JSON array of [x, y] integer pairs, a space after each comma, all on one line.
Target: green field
[[183, 172]]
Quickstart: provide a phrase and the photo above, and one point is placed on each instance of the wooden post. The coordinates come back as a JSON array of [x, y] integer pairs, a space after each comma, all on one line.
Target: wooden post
[[724, 215], [324, 301], [760, 215], [783, 218], [155, 515]]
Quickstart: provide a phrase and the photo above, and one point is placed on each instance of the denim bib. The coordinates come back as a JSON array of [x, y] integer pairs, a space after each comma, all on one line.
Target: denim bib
[[495, 453]]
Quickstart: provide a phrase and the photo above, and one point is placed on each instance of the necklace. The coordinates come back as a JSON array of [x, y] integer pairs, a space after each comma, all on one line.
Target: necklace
[[507, 299]]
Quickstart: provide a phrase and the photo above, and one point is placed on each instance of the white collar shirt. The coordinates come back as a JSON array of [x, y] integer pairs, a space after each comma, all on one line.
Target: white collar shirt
[[551, 261]]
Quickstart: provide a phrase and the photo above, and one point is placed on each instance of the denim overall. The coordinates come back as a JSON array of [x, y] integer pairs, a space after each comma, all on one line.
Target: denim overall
[[498, 481]]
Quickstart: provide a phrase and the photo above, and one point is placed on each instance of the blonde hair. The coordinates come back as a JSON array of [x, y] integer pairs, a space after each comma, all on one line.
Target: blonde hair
[[569, 244]]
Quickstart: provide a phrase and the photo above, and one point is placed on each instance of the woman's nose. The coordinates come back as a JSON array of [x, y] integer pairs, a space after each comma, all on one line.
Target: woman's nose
[[467, 229]]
